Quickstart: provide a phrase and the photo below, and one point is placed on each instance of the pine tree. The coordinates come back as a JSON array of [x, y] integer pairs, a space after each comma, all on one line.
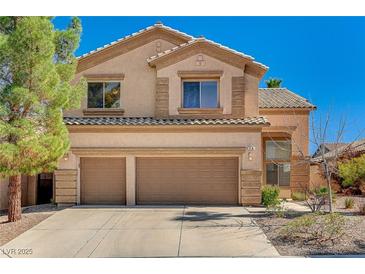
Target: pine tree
[[37, 64]]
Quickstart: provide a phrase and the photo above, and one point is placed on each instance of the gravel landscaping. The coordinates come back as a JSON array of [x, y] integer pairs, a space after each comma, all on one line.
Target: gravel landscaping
[[352, 243], [31, 216]]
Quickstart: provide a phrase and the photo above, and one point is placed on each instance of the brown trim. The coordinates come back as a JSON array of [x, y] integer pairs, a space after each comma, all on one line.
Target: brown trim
[[202, 47], [265, 162], [196, 128], [65, 181], [103, 112], [129, 44], [285, 110], [200, 110], [275, 130], [162, 97], [250, 187], [238, 96], [255, 70], [104, 76], [200, 73], [118, 151]]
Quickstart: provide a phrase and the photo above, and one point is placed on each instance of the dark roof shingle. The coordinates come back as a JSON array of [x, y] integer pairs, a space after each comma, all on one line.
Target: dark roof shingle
[[281, 98], [149, 121]]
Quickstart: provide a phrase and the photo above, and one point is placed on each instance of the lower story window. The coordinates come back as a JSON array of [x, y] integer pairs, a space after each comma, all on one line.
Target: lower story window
[[278, 174], [277, 162]]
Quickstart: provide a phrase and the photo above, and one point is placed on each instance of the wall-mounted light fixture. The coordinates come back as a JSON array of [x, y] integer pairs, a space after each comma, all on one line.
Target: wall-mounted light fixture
[[66, 156], [250, 148]]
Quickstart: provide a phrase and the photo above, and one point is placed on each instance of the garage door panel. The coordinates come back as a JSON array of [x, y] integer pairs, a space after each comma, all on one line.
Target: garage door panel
[[195, 180], [103, 180]]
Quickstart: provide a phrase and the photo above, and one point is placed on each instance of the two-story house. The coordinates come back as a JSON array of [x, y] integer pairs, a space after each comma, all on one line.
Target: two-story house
[[173, 119]]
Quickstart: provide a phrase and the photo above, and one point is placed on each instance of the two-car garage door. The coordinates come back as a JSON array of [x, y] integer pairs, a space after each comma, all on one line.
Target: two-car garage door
[[161, 180], [187, 180]]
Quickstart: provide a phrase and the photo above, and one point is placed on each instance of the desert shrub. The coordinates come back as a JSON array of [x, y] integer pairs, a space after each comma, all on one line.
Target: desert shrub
[[318, 197], [349, 203], [278, 210], [362, 209], [317, 228], [298, 196], [270, 196], [352, 171]]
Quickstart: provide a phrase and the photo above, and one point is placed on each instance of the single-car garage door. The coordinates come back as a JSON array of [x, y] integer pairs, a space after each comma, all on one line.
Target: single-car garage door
[[102, 180], [192, 180]]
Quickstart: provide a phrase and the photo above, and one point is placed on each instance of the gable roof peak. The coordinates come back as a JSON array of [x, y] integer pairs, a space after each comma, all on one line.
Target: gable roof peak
[[157, 25]]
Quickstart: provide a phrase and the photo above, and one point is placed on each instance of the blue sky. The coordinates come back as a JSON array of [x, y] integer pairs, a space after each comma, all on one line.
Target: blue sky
[[320, 58]]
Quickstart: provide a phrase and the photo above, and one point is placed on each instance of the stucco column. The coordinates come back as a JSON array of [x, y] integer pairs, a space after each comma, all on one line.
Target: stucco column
[[131, 180]]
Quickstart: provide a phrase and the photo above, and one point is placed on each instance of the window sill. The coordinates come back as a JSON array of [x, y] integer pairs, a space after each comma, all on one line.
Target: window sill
[[200, 110], [103, 112]]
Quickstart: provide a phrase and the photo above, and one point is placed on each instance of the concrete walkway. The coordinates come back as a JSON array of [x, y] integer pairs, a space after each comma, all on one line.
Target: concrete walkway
[[144, 232]]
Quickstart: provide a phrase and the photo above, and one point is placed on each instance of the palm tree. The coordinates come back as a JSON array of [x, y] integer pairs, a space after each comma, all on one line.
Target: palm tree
[[273, 83]]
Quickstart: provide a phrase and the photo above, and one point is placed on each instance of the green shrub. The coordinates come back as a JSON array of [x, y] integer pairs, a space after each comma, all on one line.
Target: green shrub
[[349, 203], [278, 210], [270, 196], [317, 228], [352, 170], [298, 196]]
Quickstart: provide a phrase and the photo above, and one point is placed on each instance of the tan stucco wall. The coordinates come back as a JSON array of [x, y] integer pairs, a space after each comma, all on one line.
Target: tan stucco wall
[[287, 121], [166, 140], [300, 120], [209, 64], [251, 87], [316, 178], [160, 140], [138, 86]]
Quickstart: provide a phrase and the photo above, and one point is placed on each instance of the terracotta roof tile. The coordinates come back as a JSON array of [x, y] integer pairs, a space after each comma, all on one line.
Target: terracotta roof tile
[[157, 25], [149, 121], [202, 39], [281, 98]]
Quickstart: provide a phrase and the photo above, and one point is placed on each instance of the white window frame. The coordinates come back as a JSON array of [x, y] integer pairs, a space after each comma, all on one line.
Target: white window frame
[[103, 82], [200, 91]]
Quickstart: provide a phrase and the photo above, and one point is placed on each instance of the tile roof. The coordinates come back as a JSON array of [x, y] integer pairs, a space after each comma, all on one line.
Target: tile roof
[[149, 121], [354, 147], [332, 146], [281, 98], [199, 40], [157, 25]]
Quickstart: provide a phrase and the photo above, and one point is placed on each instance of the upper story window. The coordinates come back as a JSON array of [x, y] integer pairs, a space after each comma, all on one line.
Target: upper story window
[[200, 94], [103, 95], [277, 162]]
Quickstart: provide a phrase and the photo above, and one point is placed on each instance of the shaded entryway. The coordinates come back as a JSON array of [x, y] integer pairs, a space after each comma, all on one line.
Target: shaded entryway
[[44, 188]]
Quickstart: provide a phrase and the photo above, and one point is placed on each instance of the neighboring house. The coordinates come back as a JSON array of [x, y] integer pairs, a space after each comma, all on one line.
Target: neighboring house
[[173, 119], [339, 151], [327, 147]]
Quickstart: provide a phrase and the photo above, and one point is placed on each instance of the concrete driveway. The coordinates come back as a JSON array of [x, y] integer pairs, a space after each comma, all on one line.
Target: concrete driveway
[[184, 231]]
